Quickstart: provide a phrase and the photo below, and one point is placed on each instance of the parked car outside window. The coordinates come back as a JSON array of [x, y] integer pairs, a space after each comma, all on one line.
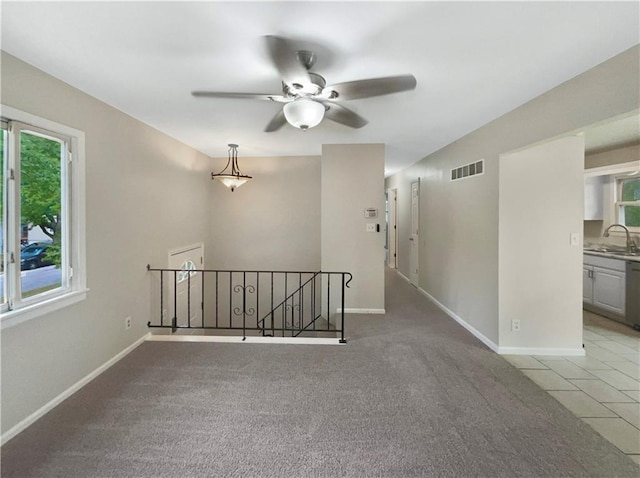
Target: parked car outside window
[[34, 256]]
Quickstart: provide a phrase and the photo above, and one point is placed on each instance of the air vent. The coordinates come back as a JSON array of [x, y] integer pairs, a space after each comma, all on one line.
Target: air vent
[[468, 170]]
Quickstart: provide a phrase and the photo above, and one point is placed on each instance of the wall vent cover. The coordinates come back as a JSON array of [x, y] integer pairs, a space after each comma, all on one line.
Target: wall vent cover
[[468, 170]]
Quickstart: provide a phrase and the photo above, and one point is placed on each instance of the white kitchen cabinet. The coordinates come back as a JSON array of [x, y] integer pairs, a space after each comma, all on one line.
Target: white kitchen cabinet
[[604, 283], [594, 198], [609, 290], [587, 284]]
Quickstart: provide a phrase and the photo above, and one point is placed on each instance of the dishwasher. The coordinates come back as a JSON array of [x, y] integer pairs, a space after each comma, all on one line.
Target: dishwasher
[[632, 315]]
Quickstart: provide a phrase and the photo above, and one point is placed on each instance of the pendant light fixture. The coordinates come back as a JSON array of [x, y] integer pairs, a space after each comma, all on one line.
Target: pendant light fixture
[[235, 179]]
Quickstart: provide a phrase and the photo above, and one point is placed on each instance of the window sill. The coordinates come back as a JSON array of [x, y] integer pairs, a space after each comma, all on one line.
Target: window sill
[[15, 317]]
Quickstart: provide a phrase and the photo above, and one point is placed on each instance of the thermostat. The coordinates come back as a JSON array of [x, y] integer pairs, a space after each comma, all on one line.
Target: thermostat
[[371, 212]]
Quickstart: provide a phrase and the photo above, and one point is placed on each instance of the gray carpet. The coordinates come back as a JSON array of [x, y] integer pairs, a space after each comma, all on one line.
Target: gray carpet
[[412, 394]]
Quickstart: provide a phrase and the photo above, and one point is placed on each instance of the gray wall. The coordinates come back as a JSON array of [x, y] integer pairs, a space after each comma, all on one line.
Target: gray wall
[[353, 180], [144, 196], [540, 270], [612, 157], [270, 223], [459, 220]]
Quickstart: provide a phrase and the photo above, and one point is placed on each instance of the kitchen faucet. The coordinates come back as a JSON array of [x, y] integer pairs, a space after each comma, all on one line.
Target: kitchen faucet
[[631, 245]]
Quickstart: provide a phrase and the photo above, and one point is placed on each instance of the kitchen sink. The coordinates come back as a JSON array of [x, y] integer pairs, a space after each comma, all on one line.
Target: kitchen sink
[[604, 249]]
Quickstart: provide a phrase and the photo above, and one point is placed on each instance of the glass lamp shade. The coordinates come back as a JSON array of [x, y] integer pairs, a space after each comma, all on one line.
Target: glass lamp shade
[[231, 181], [304, 113]]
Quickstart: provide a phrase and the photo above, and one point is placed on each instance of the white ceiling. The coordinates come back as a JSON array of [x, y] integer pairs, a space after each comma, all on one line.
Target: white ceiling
[[473, 62]]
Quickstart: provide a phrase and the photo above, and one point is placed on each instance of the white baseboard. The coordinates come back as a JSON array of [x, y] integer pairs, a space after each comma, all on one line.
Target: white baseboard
[[13, 431], [579, 352], [238, 339], [403, 276], [479, 335], [504, 350], [361, 311]]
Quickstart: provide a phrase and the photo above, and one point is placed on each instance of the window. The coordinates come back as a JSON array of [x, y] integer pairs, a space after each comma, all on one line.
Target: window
[[42, 220], [628, 202]]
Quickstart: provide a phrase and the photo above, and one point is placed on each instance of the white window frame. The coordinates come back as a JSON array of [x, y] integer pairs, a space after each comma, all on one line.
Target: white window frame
[[618, 204], [73, 191]]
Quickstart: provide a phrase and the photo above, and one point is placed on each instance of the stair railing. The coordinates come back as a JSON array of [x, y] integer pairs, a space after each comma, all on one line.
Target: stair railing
[[267, 303]]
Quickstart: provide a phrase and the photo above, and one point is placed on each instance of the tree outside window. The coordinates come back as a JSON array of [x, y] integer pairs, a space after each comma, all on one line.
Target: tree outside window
[[32, 211], [628, 204], [42, 259], [40, 189]]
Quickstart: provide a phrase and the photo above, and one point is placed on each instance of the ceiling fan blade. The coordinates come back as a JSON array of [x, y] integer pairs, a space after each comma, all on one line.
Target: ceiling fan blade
[[342, 115], [353, 90], [286, 61], [276, 122], [242, 96]]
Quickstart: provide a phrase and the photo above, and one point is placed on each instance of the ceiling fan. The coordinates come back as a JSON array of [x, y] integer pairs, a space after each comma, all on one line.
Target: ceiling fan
[[307, 98]]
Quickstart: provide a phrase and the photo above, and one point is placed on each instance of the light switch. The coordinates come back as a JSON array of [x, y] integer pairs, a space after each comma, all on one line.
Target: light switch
[[575, 238], [371, 227]]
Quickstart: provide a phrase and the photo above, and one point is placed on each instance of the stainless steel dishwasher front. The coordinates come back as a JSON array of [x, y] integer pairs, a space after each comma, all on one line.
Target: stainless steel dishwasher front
[[632, 315]]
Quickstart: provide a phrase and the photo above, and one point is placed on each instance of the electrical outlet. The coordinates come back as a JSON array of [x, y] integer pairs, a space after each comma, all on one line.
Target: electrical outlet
[[515, 326], [371, 227], [127, 323]]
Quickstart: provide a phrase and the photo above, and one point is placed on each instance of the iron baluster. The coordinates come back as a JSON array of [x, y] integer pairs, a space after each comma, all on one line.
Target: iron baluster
[[315, 301], [284, 320], [216, 299], [300, 300], [175, 302], [342, 341], [202, 299], [328, 299], [161, 298], [257, 295]]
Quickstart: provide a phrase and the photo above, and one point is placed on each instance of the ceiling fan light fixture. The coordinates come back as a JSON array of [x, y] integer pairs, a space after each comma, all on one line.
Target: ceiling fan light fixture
[[307, 98], [235, 179], [304, 113]]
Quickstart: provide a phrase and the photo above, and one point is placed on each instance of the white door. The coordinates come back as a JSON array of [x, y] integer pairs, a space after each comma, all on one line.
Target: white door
[[186, 285], [392, 228], [415, 229]]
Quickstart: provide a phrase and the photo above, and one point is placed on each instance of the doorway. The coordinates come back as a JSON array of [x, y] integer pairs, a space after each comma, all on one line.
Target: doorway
[[414, 238], [392, 228], [186, 285]]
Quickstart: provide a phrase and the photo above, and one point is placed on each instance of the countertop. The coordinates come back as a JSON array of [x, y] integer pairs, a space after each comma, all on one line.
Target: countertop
[[612, 255]]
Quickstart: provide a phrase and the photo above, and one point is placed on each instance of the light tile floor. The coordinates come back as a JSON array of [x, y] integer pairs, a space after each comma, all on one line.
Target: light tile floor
[[603, 387]]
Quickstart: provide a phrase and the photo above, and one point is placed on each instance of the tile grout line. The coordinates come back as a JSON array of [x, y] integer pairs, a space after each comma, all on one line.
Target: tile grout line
[[618, 358]]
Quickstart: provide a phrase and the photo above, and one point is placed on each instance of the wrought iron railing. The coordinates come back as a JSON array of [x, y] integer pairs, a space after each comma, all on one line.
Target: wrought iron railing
[[267, 303]]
